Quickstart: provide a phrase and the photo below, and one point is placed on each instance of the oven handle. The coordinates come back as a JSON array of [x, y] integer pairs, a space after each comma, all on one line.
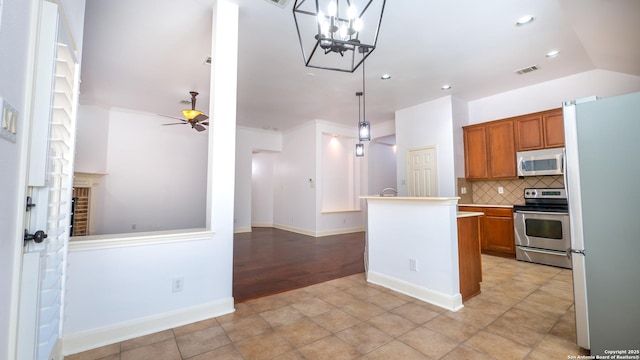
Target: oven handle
[[546, 252], [539, 212]]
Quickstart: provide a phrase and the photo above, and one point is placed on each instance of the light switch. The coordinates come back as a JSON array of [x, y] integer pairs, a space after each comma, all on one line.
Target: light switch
[[8, 121]]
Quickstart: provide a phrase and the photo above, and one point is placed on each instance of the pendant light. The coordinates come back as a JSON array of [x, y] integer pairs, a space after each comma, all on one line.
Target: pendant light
[[364, 127]]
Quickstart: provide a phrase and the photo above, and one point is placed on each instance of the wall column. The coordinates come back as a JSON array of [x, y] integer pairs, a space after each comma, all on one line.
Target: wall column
[[222, 134]]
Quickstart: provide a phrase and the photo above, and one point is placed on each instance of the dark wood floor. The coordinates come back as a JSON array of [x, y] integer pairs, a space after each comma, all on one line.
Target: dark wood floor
[[267, 261]]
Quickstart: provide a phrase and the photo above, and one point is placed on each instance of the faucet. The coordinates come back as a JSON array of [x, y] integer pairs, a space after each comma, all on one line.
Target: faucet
[[385, 191]]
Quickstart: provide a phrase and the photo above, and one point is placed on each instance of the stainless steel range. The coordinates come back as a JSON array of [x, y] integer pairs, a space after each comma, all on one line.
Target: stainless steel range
[[542, 232]]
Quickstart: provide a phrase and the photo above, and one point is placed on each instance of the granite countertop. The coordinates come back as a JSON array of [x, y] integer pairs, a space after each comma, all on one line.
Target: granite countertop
[[488, 205]]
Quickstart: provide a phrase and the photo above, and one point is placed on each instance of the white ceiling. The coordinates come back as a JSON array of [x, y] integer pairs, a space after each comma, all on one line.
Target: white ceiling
[[147, 55]]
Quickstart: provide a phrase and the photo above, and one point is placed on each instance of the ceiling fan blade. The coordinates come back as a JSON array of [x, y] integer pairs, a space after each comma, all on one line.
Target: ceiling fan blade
[[182, 123], [200, 118], [172, 117], [199, 127], [205, 123]]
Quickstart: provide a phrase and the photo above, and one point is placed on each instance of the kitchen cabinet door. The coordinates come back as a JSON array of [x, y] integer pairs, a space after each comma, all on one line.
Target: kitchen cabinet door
[[541, 130], [499, 234], [529, 133], [553, 129], [475, 152], [469, 260], [501, 149]]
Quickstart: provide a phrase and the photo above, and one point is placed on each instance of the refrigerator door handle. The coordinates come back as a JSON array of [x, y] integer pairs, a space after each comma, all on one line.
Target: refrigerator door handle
[[579, 251]]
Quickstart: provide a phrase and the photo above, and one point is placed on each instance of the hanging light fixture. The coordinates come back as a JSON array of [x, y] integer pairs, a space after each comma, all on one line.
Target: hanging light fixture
[[359, 145], [333, 32], [364, 127]]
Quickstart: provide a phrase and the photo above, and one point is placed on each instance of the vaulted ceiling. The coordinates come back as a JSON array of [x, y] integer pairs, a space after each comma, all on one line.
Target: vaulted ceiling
[[147, 55]]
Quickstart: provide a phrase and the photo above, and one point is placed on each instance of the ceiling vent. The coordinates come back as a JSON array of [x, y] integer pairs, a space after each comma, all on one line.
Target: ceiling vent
[[279, 3], [527, 70]]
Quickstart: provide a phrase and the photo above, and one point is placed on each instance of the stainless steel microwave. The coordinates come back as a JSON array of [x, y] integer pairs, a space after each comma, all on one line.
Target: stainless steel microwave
[[540, 162]]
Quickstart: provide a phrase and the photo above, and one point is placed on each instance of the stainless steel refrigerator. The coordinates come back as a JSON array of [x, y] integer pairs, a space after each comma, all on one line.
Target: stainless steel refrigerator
[[602, 179]]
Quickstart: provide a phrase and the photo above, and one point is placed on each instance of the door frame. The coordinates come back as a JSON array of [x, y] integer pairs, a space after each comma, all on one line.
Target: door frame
[[23, 166]]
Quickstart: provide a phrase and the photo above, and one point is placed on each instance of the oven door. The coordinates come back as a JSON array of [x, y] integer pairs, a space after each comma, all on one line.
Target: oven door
[[542, 230]]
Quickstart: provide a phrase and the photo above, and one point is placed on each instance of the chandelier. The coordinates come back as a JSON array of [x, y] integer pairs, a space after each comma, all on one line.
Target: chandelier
[[337, 34]]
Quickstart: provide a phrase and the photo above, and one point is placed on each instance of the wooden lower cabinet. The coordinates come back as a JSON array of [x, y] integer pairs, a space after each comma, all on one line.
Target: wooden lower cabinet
[[469, 260], [497, 230]]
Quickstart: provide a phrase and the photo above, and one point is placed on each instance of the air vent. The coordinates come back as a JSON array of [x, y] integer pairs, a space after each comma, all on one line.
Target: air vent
[[279, 3], [527, 70]]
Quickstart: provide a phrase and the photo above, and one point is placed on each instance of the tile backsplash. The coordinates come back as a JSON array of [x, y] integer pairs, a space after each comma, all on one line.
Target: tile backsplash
[[486, 191]]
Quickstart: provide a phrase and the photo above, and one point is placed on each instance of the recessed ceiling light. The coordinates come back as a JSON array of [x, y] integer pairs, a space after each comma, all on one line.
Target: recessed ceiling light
[[524, 20], [385, 77], [553, 53], [446, 87]]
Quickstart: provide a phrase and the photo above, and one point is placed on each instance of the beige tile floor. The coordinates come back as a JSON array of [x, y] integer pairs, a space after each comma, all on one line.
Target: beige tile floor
[[525, 311]]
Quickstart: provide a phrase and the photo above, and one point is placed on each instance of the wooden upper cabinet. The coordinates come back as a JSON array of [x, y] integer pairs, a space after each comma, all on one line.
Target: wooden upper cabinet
[[553, 129], [529, 133], [502, 149], [489, 150], [475, 152], [541, 130]]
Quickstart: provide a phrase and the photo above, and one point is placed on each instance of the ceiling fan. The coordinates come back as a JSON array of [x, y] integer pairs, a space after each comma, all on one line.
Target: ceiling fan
[[193, 117]]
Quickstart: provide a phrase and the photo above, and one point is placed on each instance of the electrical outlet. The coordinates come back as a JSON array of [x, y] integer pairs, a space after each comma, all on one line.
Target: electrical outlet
[[463, 190], [500, 190], [177, 284], [413, 265]]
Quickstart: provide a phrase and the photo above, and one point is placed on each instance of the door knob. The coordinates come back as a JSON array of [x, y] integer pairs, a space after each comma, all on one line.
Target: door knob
[[38, 236]]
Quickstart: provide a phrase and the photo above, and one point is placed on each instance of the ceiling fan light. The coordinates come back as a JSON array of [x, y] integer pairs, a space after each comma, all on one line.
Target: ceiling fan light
[[190, 114]]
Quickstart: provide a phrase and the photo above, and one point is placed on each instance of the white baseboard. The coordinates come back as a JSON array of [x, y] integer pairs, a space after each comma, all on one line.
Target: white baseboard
[[295, 230], [339, 231], [318, 233], [262, 225], [91, 339], [449, 302], [241, 230]]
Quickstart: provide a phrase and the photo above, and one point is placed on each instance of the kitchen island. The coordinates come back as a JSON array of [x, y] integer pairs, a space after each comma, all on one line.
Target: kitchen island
[[412, 248]]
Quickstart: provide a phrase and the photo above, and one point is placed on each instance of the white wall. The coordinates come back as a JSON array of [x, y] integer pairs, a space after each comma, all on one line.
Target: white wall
[[155, 184], [294, 199], [422, 230], [460, 118], [248, 141], [262, 187], [382, 165], [118, 293], [92, 139], [427, 124], [552, 94], [338, 174], [14, 64], [123, 289]]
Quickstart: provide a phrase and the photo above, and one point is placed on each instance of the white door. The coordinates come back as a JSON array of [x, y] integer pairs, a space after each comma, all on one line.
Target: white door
[[422, 172], [50, 180]]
